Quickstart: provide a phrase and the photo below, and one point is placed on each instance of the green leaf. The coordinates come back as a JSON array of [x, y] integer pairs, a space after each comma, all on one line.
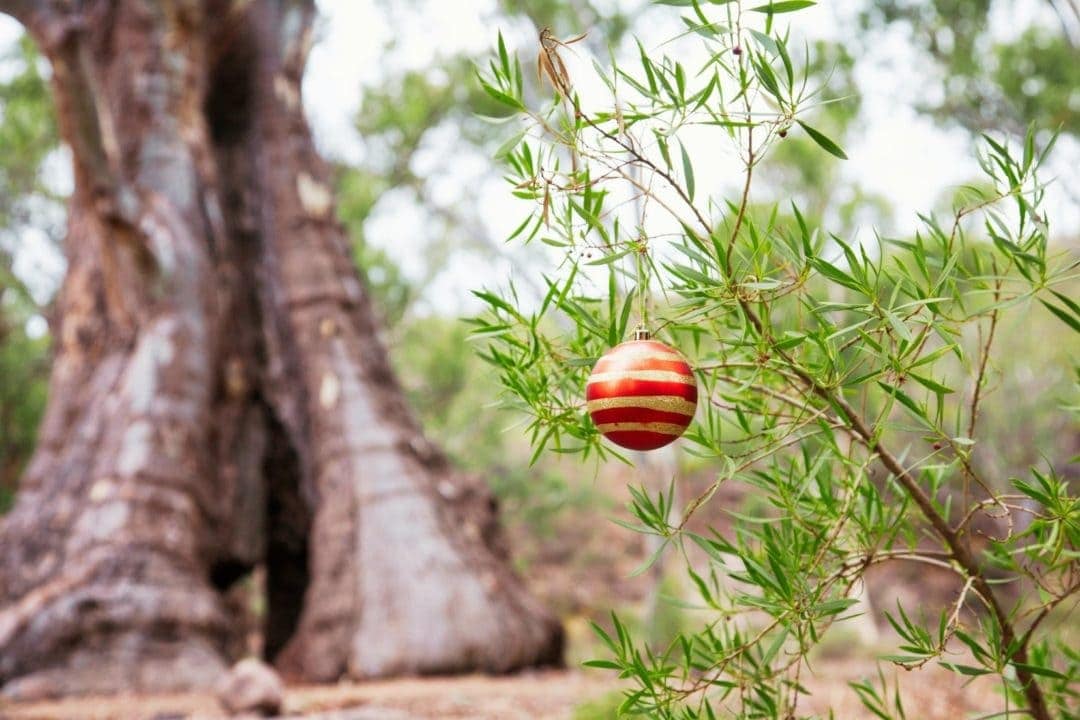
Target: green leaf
[[688, 171], [791, 339], [649, 561], [766, 76], [504, 57], [765, 41], [898, 326], [904, 400], [499, 95], [965, 669], [602, 634], [1039, 670], [646, 63], [930, 384], [834, 607], [903, 659], [835, 274], [785, 6], [662, 144], [1073, 322], [977, 650], [1033, 492], [932, 356], [826, 144], [509, 145], [605, 664], [1069, 302], [775, 646], [608, 259], [789, 68]]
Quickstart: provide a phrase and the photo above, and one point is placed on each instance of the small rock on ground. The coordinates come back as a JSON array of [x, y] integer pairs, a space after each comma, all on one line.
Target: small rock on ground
[[251, 687]]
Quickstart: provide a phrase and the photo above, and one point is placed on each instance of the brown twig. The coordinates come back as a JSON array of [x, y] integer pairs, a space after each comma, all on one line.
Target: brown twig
[[973, 411], [1045, 611], [743, 204]]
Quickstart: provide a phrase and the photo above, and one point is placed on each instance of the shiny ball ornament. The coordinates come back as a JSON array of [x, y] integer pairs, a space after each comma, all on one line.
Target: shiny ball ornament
[[641, 394]]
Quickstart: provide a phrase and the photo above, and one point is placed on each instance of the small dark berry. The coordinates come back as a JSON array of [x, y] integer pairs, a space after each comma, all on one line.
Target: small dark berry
[[937, 446], [782, 133], [737, 50]]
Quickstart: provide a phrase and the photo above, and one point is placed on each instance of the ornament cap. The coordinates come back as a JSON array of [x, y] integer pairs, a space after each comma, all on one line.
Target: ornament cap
[[641, 333]]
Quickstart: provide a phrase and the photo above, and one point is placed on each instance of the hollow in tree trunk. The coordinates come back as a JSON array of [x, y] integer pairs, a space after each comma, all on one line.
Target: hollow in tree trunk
[[220, 396]]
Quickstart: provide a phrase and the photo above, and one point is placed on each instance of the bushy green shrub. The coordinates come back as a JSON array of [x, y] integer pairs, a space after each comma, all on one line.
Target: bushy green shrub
[[843, 378]]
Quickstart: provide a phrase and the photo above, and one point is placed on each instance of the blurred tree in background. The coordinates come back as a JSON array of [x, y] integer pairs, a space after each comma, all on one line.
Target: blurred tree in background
[[988, 83], [220, 398]]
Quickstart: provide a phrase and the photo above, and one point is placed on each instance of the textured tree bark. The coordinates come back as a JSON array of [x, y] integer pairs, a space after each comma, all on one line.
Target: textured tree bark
[[220, 396]]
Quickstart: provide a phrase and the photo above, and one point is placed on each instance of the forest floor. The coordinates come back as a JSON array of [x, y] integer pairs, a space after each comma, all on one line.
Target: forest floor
[[929, 694]]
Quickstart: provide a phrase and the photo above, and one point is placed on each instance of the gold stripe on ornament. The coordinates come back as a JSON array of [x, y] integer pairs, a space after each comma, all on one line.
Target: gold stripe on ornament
[[663, 403], [660, 428], [656, 375]]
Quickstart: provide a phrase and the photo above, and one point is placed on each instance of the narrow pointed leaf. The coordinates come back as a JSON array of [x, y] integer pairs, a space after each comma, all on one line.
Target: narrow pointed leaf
[[826, 144]]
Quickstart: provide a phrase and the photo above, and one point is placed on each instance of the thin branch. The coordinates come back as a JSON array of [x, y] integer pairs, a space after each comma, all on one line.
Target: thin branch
[[973, 411], [998, 500], [743, 203], [1026, 637], [638, 157]]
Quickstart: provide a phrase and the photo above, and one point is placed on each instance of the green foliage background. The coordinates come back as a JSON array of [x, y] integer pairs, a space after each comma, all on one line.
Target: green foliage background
[[27, 135], [842, 380]]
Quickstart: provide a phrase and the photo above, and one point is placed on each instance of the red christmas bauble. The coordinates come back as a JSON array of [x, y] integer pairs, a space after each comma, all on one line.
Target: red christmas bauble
[[641, 394]]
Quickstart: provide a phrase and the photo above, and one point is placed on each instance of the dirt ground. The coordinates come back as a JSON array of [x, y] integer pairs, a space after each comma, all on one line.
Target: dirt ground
[[543, 695], [930, 694]]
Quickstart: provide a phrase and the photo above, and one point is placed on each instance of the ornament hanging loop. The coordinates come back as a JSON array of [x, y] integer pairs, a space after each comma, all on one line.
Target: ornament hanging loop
[[642, 289]]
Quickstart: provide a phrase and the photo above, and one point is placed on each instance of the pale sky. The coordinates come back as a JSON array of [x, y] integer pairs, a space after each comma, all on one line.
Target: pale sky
[[895, 152]]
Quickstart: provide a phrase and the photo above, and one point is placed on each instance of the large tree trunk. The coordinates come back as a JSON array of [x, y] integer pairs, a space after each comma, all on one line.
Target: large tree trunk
[[220, 396]]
